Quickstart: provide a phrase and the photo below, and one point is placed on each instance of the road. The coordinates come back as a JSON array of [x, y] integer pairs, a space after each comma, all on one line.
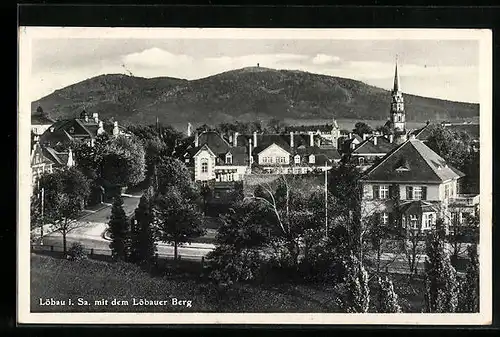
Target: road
[[91, 227]]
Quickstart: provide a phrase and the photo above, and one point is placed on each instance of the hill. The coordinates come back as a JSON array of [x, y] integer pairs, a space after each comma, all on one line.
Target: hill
[[243, 94]]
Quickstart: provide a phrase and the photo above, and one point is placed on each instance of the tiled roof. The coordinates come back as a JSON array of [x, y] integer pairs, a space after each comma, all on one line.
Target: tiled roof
[[368, 146], [216, 143], [412, 161], [58, 158]]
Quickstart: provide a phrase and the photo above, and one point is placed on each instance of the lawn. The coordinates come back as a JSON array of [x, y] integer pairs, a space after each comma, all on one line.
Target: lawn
[[91, 280]]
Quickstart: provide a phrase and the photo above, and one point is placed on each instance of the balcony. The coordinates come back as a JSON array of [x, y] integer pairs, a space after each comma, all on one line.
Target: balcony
[[464, 200]]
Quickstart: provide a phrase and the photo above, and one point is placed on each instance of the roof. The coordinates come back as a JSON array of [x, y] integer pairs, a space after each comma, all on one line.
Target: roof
[[41, 120], [58, 158], [412, 161], [422, 133], [368, 146], [313, 128], [416, 207], [216, 143]]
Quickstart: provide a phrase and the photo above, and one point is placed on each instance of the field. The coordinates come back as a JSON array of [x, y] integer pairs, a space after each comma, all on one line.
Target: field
[[91, 280]]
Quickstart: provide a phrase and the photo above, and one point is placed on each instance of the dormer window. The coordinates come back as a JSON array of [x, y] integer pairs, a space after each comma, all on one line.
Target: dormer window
[[229, 158], [296, 159], [71, 130], [312, 159]]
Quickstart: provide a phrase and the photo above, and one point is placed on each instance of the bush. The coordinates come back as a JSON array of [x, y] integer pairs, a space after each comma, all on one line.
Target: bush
[[77, 252]]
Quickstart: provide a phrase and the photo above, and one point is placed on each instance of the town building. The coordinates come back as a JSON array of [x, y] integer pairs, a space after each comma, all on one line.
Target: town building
[[40, 164], [413, 186], [330, 133], [218, 158], [62, 133], [370, 150], [40, 121]]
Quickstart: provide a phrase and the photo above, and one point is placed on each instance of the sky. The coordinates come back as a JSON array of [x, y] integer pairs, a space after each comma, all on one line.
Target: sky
[[446, 69]]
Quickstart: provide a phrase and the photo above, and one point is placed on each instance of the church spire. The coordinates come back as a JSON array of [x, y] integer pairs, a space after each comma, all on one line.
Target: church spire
[[396, 78]]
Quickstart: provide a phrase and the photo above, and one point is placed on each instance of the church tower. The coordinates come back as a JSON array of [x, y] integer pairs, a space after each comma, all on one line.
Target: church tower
[[397, 115]]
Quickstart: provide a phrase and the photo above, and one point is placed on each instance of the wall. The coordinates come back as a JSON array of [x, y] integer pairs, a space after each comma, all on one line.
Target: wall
[[274, 151], [198, 174]]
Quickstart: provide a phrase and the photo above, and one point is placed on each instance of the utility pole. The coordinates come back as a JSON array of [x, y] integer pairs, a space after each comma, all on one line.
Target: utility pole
[[326, 200], [43, 222]]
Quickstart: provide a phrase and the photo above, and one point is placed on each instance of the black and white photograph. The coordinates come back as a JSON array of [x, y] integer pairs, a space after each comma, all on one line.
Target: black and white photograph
[[255, 176]]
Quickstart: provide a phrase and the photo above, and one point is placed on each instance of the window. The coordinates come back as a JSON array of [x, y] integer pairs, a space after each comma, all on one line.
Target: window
[[429, 220], [384, 218], [384, 192], [297, 159], [361, 161], [417, 193], [186, 160], [414, 221], [229, 158], [204, 166], [448, 191], [312, 159]]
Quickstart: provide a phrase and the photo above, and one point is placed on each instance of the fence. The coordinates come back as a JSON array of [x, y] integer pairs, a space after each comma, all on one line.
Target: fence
[[160, 261]]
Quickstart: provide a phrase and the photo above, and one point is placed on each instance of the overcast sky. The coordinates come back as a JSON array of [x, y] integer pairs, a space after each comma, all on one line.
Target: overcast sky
[[444, 69]]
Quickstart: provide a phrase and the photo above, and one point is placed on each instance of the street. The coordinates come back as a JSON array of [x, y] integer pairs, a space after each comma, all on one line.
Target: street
[[91, 227]]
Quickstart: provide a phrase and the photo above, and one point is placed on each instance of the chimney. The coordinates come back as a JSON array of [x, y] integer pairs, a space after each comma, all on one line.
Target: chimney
[[100, 130], [70, 162], [95, 116], [86, 118], [189, 130], [250, 152], [255, 138], [230, 138], [196, 139], [375, 140], [235, 138], [116, 130], [350, 135], [291, 139], [391, 138], [311, 139]]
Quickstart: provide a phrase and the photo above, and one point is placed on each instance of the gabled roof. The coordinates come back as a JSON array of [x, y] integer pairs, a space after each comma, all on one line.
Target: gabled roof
[[424, 165], [216, 143], [58, 158], [368, 146], [239, 155], [203, 147]]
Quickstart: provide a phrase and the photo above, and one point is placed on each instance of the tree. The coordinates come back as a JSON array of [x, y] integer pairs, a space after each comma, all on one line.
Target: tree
[[123, 163], [411, 245], [384, 129], [119, 228], [441, 284], [174, 174], [469, 290], [177, 218], [143, 245], [240, 239], [354, 291], [387, 297], [275, 125], [362, 128], [65, 195], [291, 214]]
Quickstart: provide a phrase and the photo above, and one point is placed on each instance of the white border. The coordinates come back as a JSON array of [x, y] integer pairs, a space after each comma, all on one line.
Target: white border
[[26, 34]]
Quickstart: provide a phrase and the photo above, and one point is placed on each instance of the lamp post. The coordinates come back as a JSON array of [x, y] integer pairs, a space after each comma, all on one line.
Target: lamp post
[[326, 201], [42, 193]]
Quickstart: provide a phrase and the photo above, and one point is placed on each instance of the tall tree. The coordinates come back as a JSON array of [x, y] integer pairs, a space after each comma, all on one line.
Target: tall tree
[[65, 195], [123, 164], [441, 284], [362, 128], [387, 297], [119, 228], [143, 245], [177, 218], [354, 292], [469, 291], [174, 174]]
